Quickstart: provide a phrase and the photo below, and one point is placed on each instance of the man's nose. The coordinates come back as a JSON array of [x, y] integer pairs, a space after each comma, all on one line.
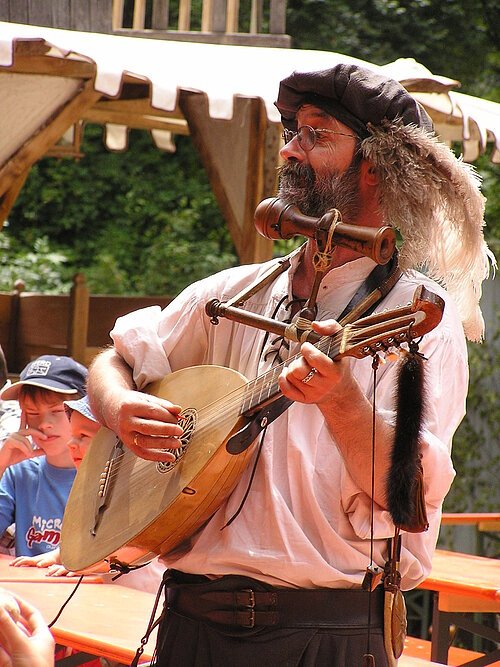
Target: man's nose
[[292, 150]]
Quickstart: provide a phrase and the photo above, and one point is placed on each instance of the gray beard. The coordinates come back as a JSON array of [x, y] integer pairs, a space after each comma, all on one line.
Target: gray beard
[[315, 195]]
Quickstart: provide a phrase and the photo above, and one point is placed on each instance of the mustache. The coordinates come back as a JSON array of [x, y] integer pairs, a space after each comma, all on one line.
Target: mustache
[[295, 174], [314, 195]]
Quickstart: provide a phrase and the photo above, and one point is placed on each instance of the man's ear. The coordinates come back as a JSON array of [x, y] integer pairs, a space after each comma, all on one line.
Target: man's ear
[[368, 173]]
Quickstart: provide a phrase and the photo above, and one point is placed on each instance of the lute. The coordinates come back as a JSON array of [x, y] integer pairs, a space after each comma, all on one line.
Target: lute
[[126, 510]]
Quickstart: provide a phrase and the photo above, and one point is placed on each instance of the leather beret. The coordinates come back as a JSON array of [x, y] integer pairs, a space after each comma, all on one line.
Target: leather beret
[[354, 95]]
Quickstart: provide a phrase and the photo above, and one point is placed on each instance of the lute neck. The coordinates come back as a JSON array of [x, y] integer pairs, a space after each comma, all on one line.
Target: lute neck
[[265, 388]]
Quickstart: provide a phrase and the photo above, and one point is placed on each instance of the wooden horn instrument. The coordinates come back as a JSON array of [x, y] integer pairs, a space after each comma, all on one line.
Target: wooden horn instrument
[[274, 219]]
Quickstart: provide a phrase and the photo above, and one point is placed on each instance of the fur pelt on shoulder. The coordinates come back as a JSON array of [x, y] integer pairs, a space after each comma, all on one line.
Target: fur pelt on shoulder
[[434, 199]]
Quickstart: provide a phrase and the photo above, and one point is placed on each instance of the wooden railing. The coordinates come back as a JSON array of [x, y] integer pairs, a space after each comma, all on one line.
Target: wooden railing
[[216, 21], [253, 23], [75, 324]]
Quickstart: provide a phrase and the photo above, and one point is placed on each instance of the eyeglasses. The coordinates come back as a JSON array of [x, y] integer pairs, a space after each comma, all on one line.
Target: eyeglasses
[[307, 136]]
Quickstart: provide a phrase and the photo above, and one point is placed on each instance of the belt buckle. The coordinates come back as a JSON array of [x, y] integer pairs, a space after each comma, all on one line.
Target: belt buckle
[[250, 607]]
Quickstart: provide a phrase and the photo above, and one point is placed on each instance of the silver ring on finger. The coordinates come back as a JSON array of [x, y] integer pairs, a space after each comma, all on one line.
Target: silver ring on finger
[[309, 376]]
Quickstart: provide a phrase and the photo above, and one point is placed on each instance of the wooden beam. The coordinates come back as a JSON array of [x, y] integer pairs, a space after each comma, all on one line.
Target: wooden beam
[[138, 106], [136, 121], [226, 149], [76, 69], [10, 196], [255, 247], [47, 135], [206, 36]]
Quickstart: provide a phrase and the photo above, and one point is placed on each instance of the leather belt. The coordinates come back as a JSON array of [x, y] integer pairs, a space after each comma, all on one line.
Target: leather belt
[[251, 607]]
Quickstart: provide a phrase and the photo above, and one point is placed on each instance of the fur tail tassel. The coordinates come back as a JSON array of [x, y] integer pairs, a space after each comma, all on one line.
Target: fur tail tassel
[[405, 480]]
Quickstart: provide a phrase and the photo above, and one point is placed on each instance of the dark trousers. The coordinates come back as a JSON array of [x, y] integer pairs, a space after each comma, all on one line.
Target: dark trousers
[[213, 624]]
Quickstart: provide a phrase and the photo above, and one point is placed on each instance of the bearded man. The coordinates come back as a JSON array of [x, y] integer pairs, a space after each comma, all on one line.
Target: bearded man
[[286, 570]]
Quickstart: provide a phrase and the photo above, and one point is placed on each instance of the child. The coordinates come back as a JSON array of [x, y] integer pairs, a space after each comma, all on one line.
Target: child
[[83, 427], [35, 462]]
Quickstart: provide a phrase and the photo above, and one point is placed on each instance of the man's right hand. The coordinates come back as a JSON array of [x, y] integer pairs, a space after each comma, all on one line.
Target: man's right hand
[[146, 424]]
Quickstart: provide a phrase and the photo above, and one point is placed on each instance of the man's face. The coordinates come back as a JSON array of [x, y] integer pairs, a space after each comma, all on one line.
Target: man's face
[[48, 416], [328, 175]]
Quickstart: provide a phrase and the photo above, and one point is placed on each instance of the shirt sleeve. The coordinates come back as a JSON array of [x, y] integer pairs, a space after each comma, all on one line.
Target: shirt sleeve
[[155, 342], [7, 500], [445, 385]]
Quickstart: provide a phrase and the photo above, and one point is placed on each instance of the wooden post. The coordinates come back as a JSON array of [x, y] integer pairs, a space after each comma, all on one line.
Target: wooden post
[[233, 11], [9, 198], [117, 15], [138, 21], [277, 18], [256, 17], [12, 351], [78, 318], [184, 24], [160, 15]]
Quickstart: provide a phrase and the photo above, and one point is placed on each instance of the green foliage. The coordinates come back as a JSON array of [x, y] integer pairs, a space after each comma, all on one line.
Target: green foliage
[[41, 269], [118, 213], [454, 38], [476, 456], [475, 446], [184, 254]]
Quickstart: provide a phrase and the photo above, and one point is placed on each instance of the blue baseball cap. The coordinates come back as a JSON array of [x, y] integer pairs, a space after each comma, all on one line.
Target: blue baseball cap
[[62, 375], [82, 406]]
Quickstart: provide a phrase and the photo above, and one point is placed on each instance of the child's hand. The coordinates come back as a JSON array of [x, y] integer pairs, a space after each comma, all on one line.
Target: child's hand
[[42, 560], [18, 447], [59, 571]]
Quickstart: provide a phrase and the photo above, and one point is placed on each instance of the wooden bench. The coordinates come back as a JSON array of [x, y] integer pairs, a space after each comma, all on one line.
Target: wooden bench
[[463, 585], [421, 648], [488, 522]]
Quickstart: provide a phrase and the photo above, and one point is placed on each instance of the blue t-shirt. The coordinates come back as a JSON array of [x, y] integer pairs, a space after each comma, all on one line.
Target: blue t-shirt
[[33, 495]]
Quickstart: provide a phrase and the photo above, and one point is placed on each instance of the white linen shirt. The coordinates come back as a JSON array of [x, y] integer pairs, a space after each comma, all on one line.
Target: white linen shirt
[[305, 523]]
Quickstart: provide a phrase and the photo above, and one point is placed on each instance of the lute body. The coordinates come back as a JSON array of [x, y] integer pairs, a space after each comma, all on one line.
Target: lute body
[[151, 510]]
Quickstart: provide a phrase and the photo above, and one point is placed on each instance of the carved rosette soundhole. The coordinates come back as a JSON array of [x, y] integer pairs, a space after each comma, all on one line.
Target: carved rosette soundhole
[[187, 420]]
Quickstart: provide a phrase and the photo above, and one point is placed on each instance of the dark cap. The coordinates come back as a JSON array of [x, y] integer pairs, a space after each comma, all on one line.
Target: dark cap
[[63, 375], [354, 95]]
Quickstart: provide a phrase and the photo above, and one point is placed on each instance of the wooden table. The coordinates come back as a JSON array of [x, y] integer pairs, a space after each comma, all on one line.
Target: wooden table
[[102, 620], [483, 520], [39, 574], [463, 584]]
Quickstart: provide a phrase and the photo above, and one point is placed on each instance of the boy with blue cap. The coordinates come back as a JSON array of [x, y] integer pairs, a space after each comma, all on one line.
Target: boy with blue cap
[[83, 427], [36, 465]]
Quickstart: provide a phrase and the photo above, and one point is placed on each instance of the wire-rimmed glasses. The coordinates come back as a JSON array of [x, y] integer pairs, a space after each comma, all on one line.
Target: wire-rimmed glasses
[[307, 136]]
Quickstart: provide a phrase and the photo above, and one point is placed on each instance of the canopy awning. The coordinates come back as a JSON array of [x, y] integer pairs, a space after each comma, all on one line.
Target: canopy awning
[[223, 96]]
